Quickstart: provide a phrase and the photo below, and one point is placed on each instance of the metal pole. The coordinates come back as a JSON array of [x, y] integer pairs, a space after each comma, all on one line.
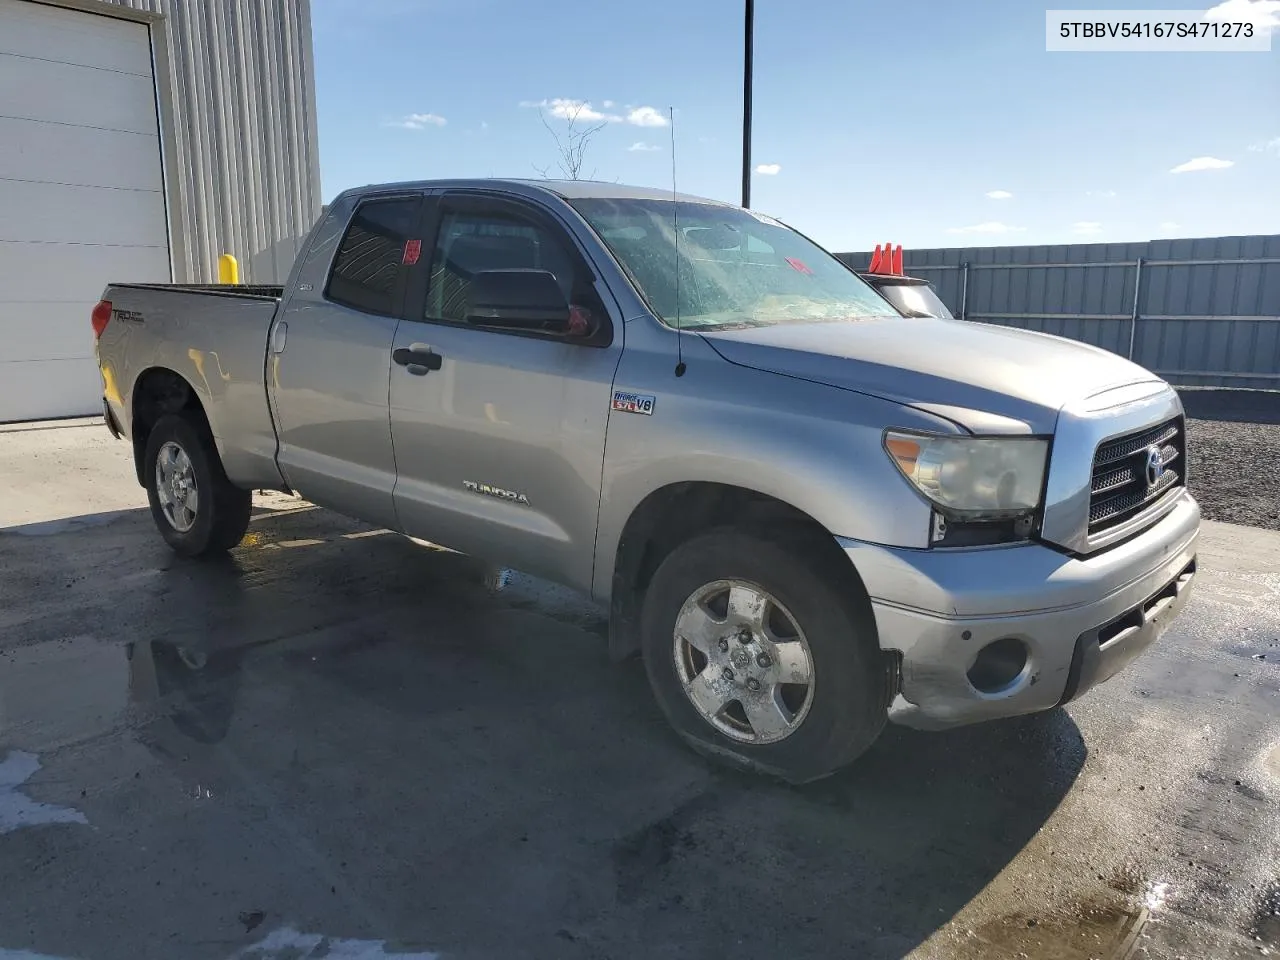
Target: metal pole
[[748, 43], [1133, 318], [964, 290]]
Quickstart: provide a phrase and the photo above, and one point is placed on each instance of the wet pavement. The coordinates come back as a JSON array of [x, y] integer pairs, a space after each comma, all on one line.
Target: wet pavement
[[341, 743]]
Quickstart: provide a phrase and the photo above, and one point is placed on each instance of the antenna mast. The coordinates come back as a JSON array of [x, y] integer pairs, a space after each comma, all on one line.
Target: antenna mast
[[675, 226]]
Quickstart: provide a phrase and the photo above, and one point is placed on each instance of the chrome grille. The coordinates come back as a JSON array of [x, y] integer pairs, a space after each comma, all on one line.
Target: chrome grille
[[1119, 488]]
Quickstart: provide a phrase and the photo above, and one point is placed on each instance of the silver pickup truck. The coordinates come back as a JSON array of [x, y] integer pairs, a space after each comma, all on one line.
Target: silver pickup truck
[[809, 514]]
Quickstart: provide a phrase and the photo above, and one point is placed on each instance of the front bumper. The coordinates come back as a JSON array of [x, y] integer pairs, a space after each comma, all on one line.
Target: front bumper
[[1079, 619]]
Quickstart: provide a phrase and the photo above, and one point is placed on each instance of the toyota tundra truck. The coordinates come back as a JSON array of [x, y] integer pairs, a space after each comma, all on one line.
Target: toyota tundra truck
[[810, 514]]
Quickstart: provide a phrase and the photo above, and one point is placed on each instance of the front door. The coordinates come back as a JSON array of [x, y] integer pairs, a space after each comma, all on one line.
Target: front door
[[499, 436], [330, 364]]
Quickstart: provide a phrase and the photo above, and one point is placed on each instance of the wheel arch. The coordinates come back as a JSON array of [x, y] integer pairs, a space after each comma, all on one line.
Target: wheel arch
[[156, 392], [676, 513]]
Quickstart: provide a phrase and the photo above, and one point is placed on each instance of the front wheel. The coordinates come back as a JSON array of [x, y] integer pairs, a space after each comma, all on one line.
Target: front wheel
[[759, 657], [195, 507]]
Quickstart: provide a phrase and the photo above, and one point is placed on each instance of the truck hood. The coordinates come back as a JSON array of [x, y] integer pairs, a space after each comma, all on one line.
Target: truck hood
[[965, 371]]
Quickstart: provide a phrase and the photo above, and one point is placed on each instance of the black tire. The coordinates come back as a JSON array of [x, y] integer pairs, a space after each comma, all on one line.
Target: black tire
[[850, 691], [222, 510]]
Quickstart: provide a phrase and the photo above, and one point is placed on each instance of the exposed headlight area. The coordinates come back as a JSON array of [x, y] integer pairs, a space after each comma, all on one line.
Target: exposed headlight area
[[984, 490]]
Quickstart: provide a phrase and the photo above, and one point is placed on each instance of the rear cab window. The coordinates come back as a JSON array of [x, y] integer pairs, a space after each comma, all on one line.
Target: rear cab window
[[368, 269]]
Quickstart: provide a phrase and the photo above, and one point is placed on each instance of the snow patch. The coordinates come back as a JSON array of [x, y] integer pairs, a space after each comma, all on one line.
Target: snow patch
[[290, 943], [18, 811]]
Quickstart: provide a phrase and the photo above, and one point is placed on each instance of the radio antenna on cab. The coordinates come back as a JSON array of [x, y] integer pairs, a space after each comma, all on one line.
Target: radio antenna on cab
[[675, 226]]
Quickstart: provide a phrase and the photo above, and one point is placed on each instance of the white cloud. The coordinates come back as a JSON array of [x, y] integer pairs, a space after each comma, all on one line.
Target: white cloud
[[999, 195], [641, 147], [567, 109], [419, 121], [1203, 163], [1086, 227], [1170, 225], [1102, 194], [582, 111], [988, 226], [1263, 14], [1268, 146], [646, 117], [769, 169]]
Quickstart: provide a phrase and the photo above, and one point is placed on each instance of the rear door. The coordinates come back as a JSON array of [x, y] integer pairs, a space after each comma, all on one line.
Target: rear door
[[499, 440], [330, 361]]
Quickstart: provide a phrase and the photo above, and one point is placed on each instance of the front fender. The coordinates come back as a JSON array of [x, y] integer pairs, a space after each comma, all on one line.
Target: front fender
[[814, 447]]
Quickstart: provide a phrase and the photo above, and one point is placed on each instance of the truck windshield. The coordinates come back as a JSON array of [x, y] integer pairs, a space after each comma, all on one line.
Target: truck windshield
[[735, 268]]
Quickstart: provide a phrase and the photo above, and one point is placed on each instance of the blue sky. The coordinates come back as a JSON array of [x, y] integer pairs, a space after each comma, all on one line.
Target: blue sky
[[903, 121]]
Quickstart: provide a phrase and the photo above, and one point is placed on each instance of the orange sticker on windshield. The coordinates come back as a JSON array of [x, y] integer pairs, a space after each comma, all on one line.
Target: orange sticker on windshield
[[799, 266]]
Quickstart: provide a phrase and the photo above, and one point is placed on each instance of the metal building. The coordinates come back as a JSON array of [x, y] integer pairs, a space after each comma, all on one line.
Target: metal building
[[140, 139], [1199, 312]]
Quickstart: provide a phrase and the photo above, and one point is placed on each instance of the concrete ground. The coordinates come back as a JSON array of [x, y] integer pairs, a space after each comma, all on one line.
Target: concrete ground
[[340, 743]]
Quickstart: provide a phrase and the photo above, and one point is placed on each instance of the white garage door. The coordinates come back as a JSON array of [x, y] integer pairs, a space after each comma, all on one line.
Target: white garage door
[[81, 196]]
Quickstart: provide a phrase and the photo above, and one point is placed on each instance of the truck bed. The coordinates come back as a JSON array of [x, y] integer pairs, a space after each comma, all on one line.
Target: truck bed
[[215, 338]]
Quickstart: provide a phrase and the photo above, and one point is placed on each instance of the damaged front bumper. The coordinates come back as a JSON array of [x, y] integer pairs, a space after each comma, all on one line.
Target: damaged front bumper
[[997, 632]]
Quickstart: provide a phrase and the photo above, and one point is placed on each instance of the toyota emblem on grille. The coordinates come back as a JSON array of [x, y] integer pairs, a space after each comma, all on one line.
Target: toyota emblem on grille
[[1155, 466]]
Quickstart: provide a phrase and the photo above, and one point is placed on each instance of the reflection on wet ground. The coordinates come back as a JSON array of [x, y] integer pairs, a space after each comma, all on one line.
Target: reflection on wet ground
[[340, 730]]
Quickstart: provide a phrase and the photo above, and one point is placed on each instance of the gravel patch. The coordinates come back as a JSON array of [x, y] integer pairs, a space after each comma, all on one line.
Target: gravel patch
[[1233, 440]]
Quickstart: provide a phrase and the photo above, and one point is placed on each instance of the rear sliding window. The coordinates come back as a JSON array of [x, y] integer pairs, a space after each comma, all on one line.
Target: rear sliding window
[[366, 271]]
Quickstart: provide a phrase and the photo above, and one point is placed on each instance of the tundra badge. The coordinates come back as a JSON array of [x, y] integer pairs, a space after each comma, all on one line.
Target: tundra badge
[[492, 491]]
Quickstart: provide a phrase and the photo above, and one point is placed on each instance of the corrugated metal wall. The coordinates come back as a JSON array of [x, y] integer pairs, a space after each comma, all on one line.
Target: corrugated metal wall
[[241, 152], [1206, 311]]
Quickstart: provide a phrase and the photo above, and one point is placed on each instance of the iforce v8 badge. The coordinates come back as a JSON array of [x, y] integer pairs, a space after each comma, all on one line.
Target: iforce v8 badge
[[625, 402]]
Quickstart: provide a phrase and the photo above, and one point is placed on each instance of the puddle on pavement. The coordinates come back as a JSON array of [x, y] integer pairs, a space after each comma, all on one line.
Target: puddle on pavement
[[193, 689], [60, 692], [1107, 926], [1105, 929], [67, 691]]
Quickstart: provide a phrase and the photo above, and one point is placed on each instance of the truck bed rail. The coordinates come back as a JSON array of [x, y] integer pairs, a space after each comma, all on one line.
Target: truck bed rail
[[243, 290]]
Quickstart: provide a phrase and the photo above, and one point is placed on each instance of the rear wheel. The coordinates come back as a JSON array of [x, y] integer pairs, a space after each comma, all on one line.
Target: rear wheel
[[760, 658], [196, 508]]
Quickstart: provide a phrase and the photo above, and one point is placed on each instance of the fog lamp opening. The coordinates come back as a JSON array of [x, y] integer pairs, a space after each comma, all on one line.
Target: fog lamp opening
[[998, 665]]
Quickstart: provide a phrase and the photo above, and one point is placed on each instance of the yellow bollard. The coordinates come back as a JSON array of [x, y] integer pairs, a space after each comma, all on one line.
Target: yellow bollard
[[228, 269]]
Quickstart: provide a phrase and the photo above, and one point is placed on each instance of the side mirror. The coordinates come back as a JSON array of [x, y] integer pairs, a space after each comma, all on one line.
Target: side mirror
[[517, 300]]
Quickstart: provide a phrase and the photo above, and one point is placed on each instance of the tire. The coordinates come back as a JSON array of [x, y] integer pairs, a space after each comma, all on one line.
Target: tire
[[220, 513], [798, 732]]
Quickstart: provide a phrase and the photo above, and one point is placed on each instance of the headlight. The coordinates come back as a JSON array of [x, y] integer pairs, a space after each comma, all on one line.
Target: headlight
[[972, 478]]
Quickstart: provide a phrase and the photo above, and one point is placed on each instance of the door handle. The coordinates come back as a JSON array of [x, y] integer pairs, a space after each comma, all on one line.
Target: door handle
[[424, 359]]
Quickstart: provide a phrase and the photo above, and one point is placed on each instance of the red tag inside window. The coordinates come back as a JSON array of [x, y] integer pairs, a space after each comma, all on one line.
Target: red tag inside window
[[799, 265], [412, 250]]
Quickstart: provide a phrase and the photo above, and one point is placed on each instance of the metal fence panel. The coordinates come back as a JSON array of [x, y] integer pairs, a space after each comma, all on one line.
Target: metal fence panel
[[1201, 312]]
